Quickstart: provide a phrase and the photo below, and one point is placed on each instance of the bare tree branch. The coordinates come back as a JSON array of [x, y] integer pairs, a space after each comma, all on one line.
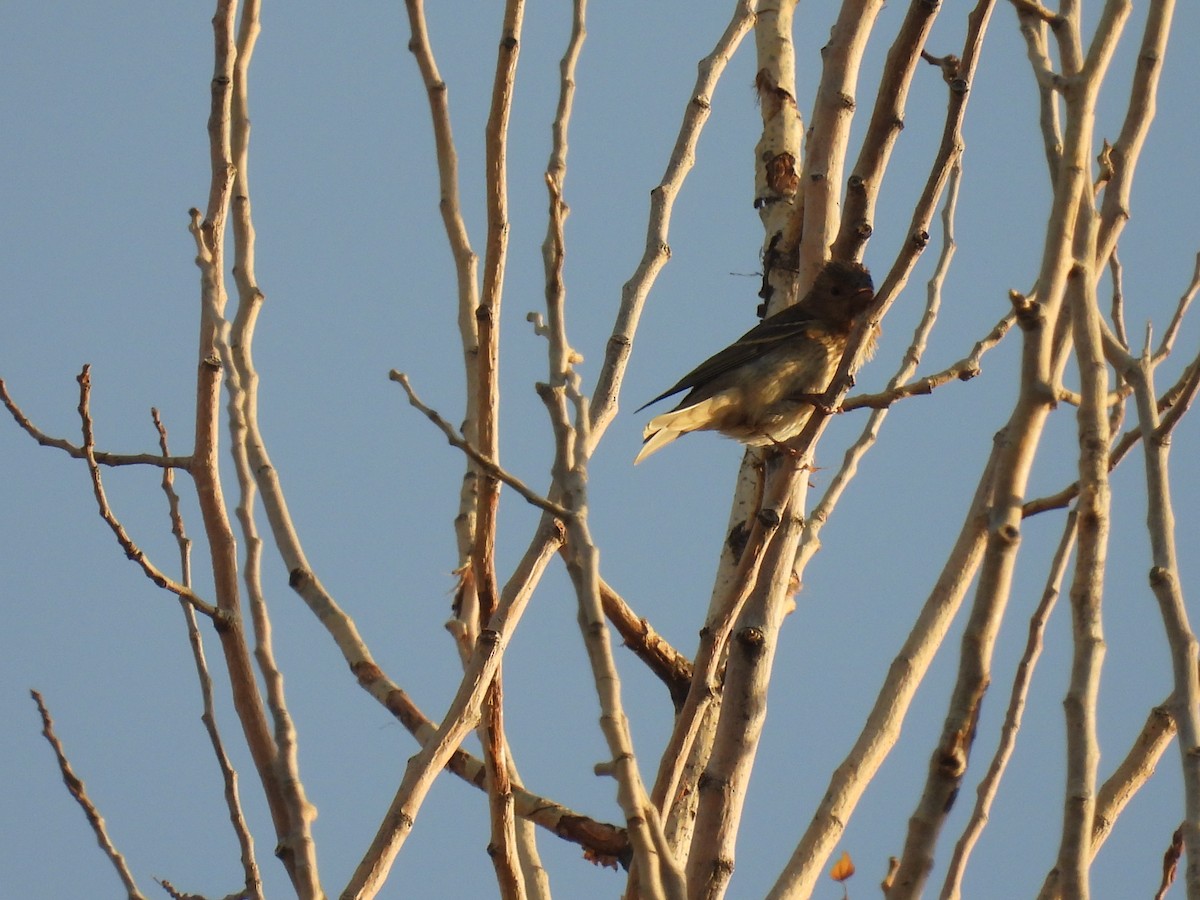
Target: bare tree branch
[[662, 202], [101, 457], [989, 785], [555, 509], [229, 777], [76, 787], [132, 550]]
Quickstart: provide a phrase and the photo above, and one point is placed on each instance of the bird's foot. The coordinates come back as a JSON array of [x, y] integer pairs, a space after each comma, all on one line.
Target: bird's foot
[[819, 402]]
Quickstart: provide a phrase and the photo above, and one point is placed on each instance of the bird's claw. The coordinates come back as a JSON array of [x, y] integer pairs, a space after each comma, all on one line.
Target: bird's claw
[[819, 403]]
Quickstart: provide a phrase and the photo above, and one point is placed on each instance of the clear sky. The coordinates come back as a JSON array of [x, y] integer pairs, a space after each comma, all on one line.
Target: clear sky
[[104, 150]]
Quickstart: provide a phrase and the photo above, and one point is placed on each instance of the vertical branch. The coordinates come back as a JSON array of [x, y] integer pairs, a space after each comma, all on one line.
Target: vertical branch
[[465, 265], [488, 314], [714, 636], [502, 846], [1114, 211], [777, 163], [229, 776], [659, 876], [829, 138], [657, 872], [1131, 773], [723, 786], [554, 245], [1165, 582], [483, 552], [1087, 588], [235, 343], [1017, 445], [882, 727], [777, 157], [887, 120], [1034, 29], [209, 235]]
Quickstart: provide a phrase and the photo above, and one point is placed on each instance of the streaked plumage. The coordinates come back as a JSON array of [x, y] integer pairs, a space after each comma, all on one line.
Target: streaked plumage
[[758, 390]]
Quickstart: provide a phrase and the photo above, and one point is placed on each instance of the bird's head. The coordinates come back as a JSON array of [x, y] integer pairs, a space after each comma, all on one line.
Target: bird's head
[[840, 293]]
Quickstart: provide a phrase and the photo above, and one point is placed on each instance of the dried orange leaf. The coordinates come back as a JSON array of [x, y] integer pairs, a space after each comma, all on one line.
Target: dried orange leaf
[[843, 868]]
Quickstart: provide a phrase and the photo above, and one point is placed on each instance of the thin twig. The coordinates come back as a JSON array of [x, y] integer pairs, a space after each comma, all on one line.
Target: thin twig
[[229, 776], [1166, 584], [456, 440], [77, 790], [1172, 405], [132, 551], [1181, 308], [102, 457], [963, 370], [1117, 313], [1170, 863]]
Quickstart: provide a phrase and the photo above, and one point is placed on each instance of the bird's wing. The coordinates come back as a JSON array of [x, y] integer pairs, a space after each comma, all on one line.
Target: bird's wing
[[778, 329]]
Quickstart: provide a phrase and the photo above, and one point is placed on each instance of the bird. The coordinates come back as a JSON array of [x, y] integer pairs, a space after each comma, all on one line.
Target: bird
[[760, 389]]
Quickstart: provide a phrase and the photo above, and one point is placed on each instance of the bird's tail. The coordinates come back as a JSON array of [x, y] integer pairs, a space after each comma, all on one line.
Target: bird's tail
[[663, 429], [655, 439]]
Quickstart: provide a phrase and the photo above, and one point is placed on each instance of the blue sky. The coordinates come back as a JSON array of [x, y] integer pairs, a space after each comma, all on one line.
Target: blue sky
[[104, 151]]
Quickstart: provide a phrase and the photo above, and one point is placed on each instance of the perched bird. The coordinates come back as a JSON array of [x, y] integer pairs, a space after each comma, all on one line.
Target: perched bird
[[759, 390]]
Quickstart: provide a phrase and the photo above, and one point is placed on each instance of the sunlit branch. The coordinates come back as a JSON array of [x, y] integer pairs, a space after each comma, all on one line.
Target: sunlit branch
[[76, 787], [488, 465]]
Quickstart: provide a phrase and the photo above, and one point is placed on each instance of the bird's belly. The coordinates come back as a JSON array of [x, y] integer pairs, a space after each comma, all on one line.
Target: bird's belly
[[776, 409], [775, 426]]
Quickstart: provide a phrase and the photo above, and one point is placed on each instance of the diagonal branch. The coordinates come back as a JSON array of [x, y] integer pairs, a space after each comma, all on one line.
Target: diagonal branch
[[990, 783], [555, 509], [75, 785], [132, 550], [672, 667], [963, 370], [662, 203], [887, 120]]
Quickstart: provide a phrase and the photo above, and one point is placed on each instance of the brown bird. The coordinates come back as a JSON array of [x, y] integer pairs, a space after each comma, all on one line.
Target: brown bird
[[759, 390]]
